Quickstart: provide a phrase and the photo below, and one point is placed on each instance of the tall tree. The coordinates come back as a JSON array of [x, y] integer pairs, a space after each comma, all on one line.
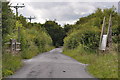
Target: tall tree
[[56, 32], [8, 20]]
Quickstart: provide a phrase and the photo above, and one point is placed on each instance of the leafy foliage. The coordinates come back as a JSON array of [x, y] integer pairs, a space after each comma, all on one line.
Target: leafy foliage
[[35, 42], [56, 32], [10, 63], [34, 39], [82, 43], [8, 20], [87, 30], [87, 37]]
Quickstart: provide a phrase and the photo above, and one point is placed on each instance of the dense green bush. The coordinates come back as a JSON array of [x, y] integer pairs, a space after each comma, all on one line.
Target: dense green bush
[[56, 32], [88, 37], [82, 42], [43, 41], [35, 42], [86, 30], [29, 52], [10, 63]]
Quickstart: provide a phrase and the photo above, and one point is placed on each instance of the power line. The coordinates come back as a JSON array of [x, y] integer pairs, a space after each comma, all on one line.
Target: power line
[[17, 7], [30, 18]]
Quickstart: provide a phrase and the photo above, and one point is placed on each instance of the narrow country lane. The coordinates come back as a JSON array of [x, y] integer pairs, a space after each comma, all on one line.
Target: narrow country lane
[[52, 64]]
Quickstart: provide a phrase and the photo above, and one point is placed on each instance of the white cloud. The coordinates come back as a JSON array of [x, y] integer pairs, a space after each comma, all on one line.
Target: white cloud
[[63, 12], [64, 0]]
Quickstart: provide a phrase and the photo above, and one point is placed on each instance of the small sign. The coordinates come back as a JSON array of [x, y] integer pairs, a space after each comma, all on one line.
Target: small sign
[[104, 42]]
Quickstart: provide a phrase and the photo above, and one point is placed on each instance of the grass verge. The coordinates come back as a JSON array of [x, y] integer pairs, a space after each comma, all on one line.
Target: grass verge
[[10, 63], [100, 66]]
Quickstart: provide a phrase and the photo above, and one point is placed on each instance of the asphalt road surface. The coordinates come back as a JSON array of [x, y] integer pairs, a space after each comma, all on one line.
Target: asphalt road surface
[[52, 64]]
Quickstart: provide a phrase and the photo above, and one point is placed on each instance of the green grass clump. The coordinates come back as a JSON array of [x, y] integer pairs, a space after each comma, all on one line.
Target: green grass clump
[[105, 66], [100, 66], [10, 63], [80, 55]]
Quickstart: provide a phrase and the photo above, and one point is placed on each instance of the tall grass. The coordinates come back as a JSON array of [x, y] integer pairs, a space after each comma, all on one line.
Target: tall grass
[[29, 52], [81, 54], [10, 63], [105, 66], [100, 66]]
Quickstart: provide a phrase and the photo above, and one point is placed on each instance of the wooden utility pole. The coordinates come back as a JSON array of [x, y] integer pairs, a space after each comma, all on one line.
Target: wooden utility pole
[[30, 18], [16, 8], [18, 34]]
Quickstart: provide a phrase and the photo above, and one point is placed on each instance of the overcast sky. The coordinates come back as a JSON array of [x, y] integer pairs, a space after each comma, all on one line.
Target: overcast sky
[[63, 12]]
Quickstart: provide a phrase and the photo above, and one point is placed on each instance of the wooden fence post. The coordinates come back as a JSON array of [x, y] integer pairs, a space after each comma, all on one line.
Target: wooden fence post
[[109, 33], [102, 32], [11, 46], [14, 46]]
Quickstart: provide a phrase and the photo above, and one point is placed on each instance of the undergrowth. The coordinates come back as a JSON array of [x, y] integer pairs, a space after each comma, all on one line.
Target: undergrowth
[[10, 63]]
